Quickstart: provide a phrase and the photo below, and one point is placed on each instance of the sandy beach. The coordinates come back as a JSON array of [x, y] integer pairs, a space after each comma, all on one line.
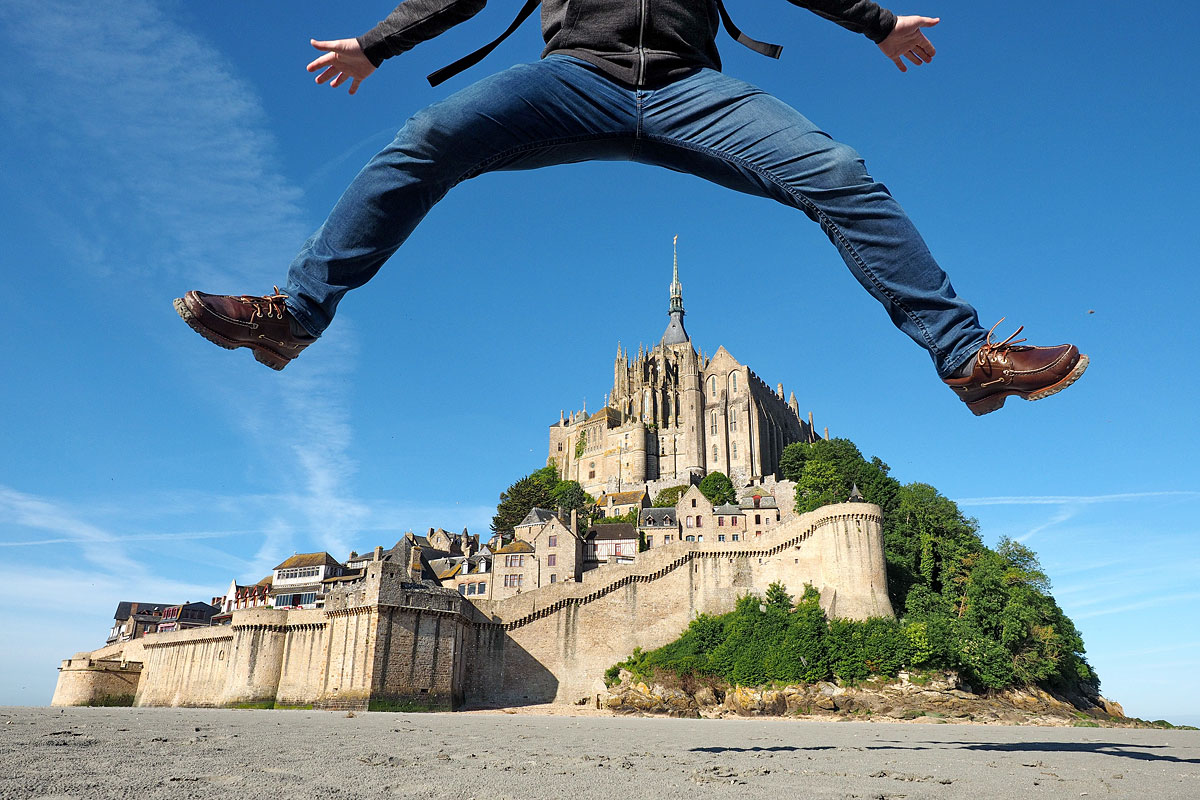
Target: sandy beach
[[148, 753]]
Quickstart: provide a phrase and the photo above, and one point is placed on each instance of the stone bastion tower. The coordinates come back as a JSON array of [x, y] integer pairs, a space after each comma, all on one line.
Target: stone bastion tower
[[674, 415]]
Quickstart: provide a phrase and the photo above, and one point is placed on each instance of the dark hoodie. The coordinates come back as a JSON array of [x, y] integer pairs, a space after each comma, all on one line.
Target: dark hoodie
[[636, 42]]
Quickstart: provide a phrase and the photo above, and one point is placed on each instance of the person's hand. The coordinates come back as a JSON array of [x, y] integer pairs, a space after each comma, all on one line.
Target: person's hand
[[343, 61], [907, 40]]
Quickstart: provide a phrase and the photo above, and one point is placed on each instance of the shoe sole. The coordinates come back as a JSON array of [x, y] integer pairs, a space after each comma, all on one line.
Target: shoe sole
[[262, 355], [995, 402]]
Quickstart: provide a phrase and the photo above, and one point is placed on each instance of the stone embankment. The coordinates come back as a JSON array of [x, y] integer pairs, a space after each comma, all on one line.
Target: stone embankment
[[933, 697]]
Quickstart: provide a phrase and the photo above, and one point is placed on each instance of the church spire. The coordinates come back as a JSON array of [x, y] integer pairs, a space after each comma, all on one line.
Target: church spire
[[675, 333]]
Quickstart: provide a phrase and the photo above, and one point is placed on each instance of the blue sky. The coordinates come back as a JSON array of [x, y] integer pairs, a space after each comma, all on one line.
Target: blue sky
[[1047, 155]]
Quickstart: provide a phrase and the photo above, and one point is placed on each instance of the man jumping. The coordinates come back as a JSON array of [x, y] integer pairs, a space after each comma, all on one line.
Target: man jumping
[[629, 80]]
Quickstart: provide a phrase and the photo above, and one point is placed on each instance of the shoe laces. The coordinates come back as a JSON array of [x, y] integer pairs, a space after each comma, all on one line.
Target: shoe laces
[[268, 306], [1000, 349]]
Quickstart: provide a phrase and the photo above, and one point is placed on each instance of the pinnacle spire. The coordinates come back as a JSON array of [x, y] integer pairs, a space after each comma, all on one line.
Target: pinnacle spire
[[675, 333]]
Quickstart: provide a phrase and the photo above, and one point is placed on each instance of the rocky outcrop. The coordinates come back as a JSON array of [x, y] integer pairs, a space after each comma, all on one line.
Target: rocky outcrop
[[931, 697]]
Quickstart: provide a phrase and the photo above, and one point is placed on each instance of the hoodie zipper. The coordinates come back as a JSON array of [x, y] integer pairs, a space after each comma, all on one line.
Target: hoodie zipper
[[641, 77]]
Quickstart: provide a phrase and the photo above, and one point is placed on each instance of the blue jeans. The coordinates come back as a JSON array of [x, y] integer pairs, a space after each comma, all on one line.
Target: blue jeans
[[561, 110]]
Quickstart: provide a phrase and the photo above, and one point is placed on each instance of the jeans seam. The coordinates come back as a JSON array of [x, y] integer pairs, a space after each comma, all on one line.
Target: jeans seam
[[488, 162], [637, 128], [825, 222]]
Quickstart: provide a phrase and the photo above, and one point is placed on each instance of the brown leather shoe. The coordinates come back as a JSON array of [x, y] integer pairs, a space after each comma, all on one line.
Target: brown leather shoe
[[1005, 369], [263, 324]]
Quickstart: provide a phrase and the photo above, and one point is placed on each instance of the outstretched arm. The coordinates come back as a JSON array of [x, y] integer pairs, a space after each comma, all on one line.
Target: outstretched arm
[[343, 60], [412, 22], [907, 41]]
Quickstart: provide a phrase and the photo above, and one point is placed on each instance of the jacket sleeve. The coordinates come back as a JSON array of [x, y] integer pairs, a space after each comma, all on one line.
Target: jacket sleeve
[[860, 16], [413, 22]]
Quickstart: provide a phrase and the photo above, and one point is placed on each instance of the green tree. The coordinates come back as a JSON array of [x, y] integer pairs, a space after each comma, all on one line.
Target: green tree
[[820, 484], [515, 502], [667, 498], [569, 495], [717, 487], [547, 475]]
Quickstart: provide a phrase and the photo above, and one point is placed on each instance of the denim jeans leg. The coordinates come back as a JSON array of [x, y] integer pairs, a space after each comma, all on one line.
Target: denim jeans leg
[[734, 134], [554, 111]]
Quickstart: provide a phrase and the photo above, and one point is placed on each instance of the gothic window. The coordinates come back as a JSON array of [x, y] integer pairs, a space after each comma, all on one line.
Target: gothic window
[[712, 385], [714, 452], [733, 419], [713, 427], [733, 383], [735, 450]]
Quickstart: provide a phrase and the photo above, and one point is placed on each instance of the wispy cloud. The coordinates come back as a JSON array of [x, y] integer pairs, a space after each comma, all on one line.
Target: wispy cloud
[[28, 511], [143, 131], [1054, 500], [172, 171], [1149, 602]]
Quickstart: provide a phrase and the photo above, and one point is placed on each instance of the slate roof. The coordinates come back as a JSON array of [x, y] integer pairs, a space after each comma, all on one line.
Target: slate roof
[[124, 608], [658, 517], [615, 530], [766, 501], [536, 516], [729, 509], [310, 560]]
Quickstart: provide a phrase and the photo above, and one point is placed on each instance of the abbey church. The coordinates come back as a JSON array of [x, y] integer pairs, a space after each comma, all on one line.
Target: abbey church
[[674, 415]]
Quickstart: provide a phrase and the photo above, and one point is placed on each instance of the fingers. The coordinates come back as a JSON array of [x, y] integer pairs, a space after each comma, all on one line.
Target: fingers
[[899, 65], [929, 22], [322, 61]]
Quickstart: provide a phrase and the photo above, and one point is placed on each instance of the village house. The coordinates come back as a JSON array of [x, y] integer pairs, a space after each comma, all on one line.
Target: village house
[[237, 597], [614, 543], [618, 504], [299, 581], [135, 620], [186, 615]]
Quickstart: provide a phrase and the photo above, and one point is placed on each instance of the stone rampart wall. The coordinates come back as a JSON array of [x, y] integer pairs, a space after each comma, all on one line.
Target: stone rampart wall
[[560, 639], [393, 644], [86, 681], [186, 668]]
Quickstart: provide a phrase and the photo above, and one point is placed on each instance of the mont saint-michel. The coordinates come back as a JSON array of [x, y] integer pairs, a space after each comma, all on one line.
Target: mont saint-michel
[[444, 620]]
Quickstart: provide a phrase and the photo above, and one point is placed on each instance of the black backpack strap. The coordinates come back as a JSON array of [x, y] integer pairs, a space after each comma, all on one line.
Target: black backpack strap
[[768, 50], [468, 61]]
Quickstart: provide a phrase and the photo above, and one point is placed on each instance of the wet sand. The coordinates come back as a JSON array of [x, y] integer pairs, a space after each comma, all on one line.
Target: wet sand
[[150, 753]]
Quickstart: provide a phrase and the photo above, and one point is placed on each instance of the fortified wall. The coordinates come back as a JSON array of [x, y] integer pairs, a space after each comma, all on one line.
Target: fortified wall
[[388, 644]]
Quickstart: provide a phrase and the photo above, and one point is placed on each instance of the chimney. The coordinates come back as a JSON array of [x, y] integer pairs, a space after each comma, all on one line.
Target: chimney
[[378, 553], [779, 390], [827, 433], [575, 521]]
